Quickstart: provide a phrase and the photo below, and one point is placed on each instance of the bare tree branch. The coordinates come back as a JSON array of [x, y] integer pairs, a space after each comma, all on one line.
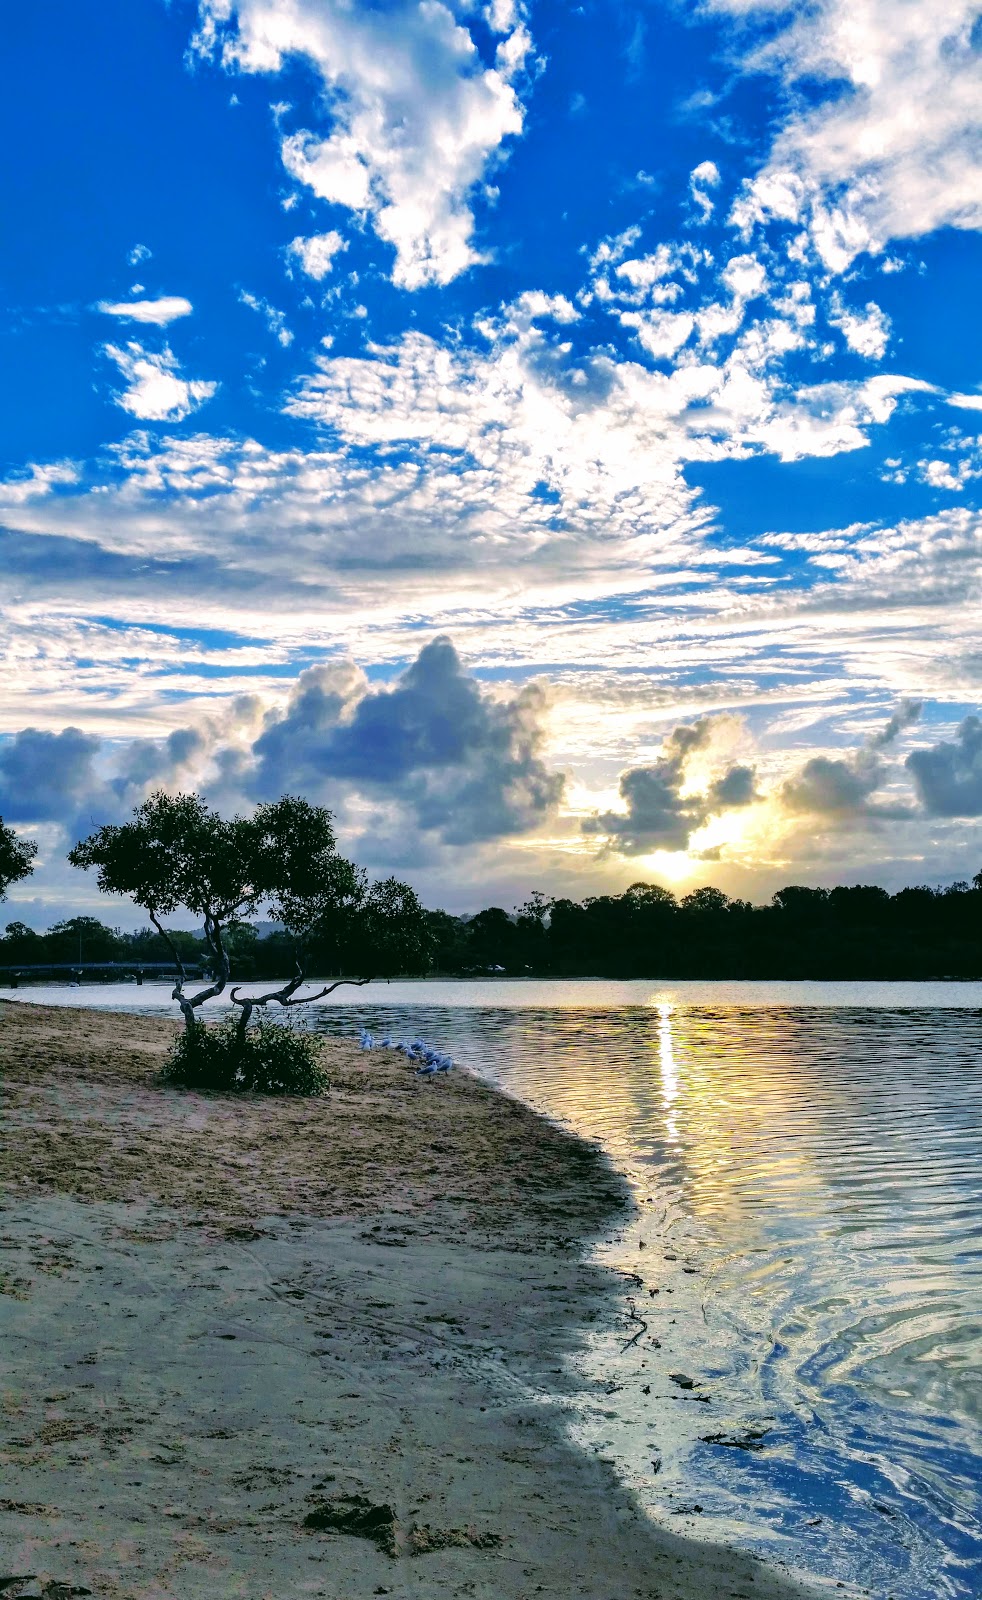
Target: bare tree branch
[[189, 1003]]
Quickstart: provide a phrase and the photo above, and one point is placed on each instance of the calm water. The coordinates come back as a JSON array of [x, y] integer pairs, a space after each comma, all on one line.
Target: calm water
[[807, 1159]]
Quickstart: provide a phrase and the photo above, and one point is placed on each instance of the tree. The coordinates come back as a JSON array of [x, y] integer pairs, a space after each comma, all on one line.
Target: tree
[[83, 938], [177, 853], [491, 937], [16, 858], [705, 902]]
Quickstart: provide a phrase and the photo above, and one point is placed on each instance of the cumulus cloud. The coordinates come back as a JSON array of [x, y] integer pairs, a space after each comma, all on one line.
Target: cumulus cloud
[[659, 814], [417, 115], [867, 333], [167, 309], [830, 786], [37, 481], [437, 755], [466, 765], [49, 777], [841, 787], [702, 179], [893, 150], [79, 780], [948, 777], [316, 253], [952, 475], [155, 391]]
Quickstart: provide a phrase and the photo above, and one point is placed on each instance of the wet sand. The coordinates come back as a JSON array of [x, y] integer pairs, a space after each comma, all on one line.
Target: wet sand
[[282, 1348]]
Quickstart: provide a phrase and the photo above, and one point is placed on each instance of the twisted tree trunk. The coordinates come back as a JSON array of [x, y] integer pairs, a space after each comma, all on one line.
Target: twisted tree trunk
[[220, 969]]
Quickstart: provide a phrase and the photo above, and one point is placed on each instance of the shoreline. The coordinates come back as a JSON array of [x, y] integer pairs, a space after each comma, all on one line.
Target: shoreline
[[231, 1322]]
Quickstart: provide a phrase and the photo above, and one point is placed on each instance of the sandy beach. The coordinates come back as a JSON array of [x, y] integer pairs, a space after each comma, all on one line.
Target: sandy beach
[[277, 1348]]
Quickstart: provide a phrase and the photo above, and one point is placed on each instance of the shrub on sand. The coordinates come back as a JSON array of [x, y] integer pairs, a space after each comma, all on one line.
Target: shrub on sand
[[272, 1058]]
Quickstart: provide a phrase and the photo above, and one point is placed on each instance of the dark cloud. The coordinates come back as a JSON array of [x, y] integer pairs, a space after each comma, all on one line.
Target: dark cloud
[[80, 781], [842, 786], [49, 777], [150, 763], [441, 754], [948, 777], [467, 764], [905, 715], [827, 785], [737, 787], [657, 815]]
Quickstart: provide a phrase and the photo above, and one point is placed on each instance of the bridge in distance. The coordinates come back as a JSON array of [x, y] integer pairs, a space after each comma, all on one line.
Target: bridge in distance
[[79, 969]]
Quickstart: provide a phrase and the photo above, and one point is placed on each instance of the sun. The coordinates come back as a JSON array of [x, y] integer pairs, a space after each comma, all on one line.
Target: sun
[[673, 865]]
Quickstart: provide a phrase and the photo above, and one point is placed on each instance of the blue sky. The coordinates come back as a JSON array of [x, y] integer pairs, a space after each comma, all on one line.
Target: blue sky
[[547, 434]]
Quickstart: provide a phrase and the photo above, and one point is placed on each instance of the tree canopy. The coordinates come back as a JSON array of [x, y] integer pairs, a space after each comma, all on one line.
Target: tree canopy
[[16, 858], [178, 853]]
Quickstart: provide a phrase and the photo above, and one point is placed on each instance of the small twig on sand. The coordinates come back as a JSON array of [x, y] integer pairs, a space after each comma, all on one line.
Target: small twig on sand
[[636, 1336]]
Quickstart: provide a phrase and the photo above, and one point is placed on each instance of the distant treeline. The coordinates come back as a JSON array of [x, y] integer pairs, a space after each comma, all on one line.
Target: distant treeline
[[855, 932]]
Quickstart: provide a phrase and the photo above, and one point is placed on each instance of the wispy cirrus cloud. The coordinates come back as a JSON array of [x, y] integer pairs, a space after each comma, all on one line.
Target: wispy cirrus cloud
[[274, 319]]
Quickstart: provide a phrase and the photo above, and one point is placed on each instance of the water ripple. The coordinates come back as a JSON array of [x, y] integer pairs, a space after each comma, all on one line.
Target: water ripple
[[809, 1187], [806, 1159]]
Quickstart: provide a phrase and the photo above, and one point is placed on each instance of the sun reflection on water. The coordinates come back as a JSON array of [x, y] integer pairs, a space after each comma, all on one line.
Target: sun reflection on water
[[668, 1071]]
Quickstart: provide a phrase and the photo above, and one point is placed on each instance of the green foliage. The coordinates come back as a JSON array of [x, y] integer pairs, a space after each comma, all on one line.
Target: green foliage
[[306, 883], [16, 858], [178, 852], [272, 1058], [393, 935]]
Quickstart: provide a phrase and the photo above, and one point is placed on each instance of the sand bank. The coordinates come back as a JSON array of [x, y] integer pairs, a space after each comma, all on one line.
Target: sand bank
[[302, 1348]]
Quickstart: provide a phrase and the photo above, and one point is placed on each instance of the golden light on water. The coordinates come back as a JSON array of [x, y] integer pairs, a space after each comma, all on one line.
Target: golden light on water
[[668, 1071]]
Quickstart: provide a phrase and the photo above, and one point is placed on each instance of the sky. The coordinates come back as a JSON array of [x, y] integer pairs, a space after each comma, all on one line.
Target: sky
[[548, 434]]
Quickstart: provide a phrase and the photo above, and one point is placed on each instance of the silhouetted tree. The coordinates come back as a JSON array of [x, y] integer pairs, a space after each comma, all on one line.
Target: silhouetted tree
[[176, 852], [491, 938], [16, 858]]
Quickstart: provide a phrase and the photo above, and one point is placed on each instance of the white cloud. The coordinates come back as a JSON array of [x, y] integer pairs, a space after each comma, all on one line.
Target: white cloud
[[893, 151], [167, 309], [155, 392], [139, 253], [417, 116], [745, 277], [868, 334], [966, 402], [661, 333], [702, 179], [274, 319], [613, 248], [503, 15], [40, 481], [948, 474], [316, 254]]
